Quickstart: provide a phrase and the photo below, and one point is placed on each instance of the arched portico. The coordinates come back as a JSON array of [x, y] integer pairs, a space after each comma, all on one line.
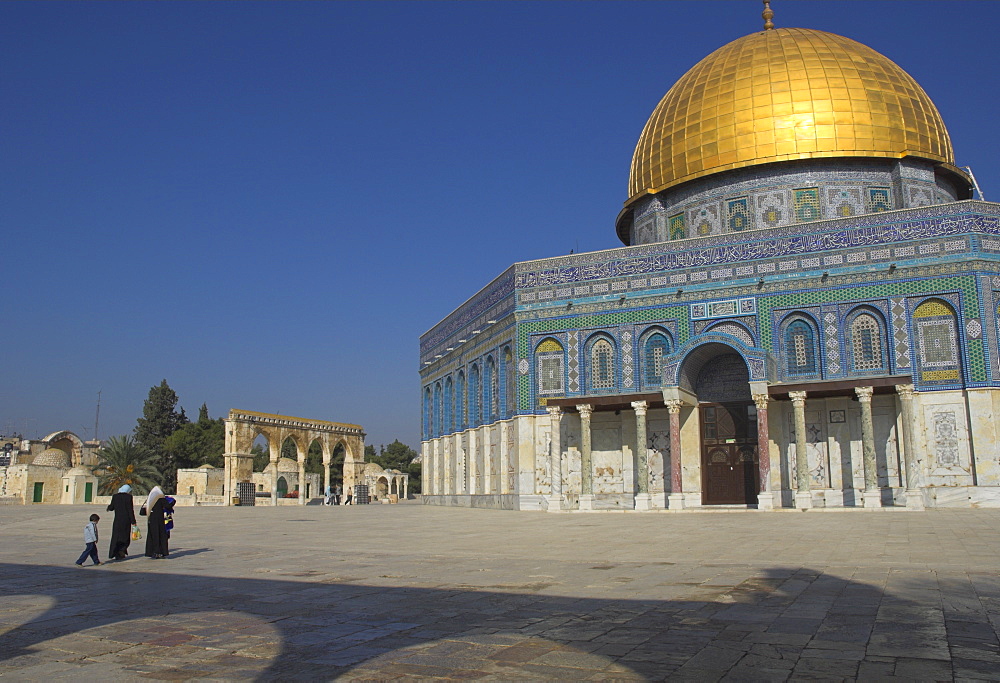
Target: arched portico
[[243, 426]]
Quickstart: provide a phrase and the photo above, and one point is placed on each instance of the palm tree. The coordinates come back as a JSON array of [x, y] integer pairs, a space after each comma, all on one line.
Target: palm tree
[[122, 460]]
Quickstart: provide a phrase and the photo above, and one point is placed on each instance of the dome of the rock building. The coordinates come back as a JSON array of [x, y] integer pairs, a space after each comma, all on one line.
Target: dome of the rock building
[[780, 95], [52, 457]]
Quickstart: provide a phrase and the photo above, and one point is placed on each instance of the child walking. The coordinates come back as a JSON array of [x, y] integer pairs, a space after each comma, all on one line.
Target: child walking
[[90, 538]]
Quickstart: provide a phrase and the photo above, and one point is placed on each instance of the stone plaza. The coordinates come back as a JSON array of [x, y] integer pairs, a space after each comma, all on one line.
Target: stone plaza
[[384, 592]]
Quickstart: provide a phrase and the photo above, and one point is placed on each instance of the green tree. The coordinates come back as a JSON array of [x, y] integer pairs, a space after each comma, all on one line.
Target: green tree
[[414, 471], [197, 443], [261, 457], [314, 458], [160, 418], [370, 455], [395, 456], [123, 460]]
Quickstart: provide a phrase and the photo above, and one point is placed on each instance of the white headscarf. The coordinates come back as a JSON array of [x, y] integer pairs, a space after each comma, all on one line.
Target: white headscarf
[[154, 496], [125, 489]]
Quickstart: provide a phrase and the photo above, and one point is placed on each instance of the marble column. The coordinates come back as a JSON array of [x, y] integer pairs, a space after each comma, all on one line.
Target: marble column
[[914, 494], [504, 457], [302, 479], [557, 501], [765, 496], [803, 496], [643, 500], [273, 454], [872, 495], [586, 461], [675, 501], [326, 477]]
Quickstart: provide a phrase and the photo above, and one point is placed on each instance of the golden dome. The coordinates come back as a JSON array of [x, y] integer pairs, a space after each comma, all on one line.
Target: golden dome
[[784, 94]]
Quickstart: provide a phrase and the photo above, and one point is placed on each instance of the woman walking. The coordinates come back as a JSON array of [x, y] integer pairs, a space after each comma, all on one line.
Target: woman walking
[[121, 529], [156, 534]]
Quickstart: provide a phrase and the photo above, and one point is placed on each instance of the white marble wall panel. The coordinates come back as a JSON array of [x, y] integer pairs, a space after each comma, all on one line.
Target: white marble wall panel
[[888, 455], [946, 439], [606, 456], [984, 412]]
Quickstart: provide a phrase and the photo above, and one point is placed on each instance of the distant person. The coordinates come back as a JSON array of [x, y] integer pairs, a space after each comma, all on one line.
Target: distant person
[[121, 528], [336, 495], [349, 497], [156, 534], [328, 496], [90, 538]]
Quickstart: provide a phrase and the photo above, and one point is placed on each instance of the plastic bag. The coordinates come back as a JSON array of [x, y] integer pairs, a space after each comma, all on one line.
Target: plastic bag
[[136, 534]]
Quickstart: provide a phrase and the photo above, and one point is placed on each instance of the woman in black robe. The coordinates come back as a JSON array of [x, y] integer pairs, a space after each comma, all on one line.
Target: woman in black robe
[[156, 534], [121, 528]]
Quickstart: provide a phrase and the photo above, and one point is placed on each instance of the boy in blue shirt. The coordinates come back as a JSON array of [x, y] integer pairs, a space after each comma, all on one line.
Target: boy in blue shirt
[[90, 538]]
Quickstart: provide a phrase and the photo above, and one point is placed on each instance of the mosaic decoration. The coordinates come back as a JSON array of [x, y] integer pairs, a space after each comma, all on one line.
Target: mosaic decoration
[[832, 333], [879, 199], [522, 366], [844, 201], [574, 361], [677, 229], [738, 214], [900, 339], [974, 329], [723, 309], [771, 209], [735, 330], [806, 204], [706, 220], [627, 367]]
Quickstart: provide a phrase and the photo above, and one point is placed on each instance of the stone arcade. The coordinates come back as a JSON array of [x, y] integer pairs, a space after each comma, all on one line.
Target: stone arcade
[[804, 313], [243, 426]]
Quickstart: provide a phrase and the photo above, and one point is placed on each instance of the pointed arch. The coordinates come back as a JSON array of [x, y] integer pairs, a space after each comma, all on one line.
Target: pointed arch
[[601, 363], [655, 345], [550, 367], [438, 422], [428, 413], [800, 339], [449, 424], [865, 341], [935, 326]]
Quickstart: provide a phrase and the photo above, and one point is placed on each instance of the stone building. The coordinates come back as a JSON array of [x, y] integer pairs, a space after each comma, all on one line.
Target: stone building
[[804, 313], [56, 469], [383, 483]]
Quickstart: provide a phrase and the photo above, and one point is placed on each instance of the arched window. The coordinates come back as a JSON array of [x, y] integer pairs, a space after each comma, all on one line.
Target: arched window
[[428, 413], [866, 344], [936, 330], [800, 348], [602, 365], [510, 398], [549, 365], [449, 425], [489, 391], [438, 422], [460, 414], [654, 350], [474, 396]]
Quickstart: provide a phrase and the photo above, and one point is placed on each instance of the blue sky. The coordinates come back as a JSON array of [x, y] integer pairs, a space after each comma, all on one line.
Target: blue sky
[[267, 203]]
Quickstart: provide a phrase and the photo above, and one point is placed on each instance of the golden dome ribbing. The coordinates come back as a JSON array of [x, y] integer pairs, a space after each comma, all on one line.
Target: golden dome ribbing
[[780, 95]]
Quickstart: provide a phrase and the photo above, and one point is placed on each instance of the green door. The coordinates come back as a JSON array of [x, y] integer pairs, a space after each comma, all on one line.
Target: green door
[[38, 492], [88, 492], [282, 487]]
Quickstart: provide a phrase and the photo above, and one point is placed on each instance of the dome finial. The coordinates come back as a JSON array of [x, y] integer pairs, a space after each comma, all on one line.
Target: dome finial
[[768, 14]]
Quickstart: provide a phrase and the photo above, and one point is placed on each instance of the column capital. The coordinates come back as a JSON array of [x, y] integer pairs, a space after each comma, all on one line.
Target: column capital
[[864, 394], [798, 397], [673, 405], [554, 411], [585, 409], [760, 400], [639, 407], [905, 391]]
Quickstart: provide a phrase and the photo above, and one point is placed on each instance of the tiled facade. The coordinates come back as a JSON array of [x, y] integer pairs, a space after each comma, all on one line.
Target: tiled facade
[[826, 328]]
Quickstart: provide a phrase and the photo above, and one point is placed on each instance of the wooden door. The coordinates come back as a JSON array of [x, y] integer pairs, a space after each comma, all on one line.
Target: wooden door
[[729, 453]]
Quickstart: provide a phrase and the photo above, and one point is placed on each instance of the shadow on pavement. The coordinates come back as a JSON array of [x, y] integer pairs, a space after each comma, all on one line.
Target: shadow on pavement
[[784, 623]]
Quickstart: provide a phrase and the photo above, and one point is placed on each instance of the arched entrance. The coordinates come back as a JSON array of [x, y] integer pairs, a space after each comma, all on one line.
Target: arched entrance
[[728, 418]]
